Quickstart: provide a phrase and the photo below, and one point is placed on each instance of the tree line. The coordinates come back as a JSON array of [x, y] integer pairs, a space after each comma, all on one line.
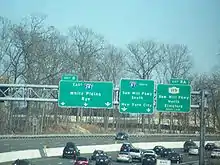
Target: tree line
[[33, 53]]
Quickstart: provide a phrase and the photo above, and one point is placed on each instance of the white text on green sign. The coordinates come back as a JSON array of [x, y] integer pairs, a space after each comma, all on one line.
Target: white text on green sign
[[173, 98], [85, 94], [136, 96], [70, 77], [179, 81]]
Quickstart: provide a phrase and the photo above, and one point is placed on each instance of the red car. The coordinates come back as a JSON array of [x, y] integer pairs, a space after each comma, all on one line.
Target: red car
[[81, 161]]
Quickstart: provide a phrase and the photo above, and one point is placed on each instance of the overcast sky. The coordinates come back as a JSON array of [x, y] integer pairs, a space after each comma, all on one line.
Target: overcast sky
[[195, 23]]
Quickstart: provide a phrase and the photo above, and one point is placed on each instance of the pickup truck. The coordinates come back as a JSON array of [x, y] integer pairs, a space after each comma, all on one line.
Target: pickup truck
[[136, 154]]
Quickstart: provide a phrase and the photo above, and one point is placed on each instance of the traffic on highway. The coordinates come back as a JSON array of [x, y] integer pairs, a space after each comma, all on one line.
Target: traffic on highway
[[128, 153]]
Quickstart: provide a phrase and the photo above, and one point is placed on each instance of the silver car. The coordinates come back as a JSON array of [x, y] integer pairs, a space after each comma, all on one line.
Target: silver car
[[124, 157]]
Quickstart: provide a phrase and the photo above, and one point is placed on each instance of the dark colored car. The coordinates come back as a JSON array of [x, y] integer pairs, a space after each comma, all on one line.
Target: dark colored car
[[166, 152], [126, 147], [96, 153], [188, 144], [149, 159], [159, 150], [71, 151], [81, 161], [175, 158], [103, 159], [210, 146], [21, 162], [121, 136]]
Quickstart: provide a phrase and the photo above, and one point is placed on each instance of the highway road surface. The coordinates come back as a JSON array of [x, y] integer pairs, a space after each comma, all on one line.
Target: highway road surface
[[8, 145], [190, 160]]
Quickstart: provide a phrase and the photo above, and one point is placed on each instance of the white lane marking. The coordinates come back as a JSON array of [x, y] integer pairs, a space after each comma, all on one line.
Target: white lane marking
[[60, 163], [6, 144], [196, 161]]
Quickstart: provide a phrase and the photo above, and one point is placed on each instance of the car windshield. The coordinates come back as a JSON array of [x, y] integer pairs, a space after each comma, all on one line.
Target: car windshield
[[147, 156], [194, 147], [191, 143], [120, 134], [148, 151], [134, 150], [123, 153], [81, 159], [103, 157], [174, 155]]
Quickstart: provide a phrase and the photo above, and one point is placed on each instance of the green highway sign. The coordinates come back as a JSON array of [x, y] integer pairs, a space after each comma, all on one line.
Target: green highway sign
[[173, 98], [179, 81], [85, 94], [70, 77], [136, 96]]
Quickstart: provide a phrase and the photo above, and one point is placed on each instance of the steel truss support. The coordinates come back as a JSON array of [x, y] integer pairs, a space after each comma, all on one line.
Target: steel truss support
[[43, 93]]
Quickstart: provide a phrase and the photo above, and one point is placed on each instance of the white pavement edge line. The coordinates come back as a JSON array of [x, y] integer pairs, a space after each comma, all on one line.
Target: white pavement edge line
[[25, 154]]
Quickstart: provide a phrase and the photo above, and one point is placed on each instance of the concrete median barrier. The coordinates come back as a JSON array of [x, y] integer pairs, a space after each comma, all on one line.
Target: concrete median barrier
[[26, 154]]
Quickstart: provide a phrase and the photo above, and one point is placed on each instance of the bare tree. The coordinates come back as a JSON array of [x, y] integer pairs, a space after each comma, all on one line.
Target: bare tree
[[86, 47], [5, 43], [110, 68], [177, 64], [143, 58]]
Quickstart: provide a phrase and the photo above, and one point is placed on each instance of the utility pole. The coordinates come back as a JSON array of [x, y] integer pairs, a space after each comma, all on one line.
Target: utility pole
[[202, 129]]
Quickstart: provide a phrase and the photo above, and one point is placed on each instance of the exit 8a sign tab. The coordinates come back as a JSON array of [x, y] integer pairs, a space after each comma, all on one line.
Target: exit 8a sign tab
[[136, 96]]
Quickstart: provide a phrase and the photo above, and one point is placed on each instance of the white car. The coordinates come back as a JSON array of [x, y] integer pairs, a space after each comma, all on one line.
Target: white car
[[150, 152], [124, 157], [215, 153], [194, 150], [136, 154]]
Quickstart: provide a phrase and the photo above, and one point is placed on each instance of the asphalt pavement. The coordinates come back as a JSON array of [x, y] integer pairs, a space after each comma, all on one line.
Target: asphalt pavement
[[188, 160], [8, 145]]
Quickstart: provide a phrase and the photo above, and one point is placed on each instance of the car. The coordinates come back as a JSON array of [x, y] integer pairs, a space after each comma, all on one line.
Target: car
[[71, 151], [126, 147], [175, 158], [121, 136], [96, 153], [124, 157], [136, 154], [210, 146], [187, 145], [159, 150], [149, 159], [215, 153], [149, 152], [166, 152], [193, 150], [81, 161], [21, 162], [103, 159]]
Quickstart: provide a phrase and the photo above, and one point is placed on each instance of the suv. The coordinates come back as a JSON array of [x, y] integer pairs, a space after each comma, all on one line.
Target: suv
[[136, 154], [188, 144], [121, 136], [126, 147], [71, 151]]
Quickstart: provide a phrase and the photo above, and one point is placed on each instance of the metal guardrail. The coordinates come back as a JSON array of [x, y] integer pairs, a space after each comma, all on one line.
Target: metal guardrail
[[99, 136]]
